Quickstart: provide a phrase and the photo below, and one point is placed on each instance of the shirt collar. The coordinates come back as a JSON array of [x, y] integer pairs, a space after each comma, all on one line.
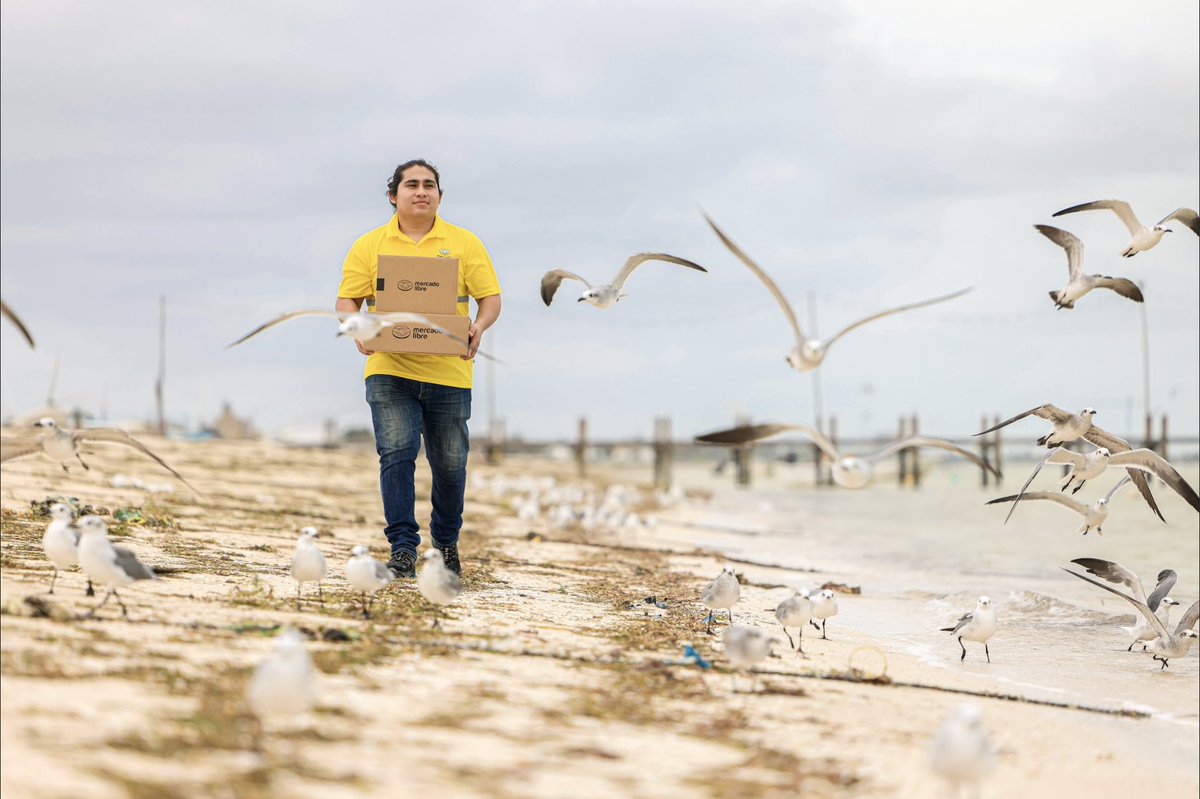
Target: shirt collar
[[438, 231]]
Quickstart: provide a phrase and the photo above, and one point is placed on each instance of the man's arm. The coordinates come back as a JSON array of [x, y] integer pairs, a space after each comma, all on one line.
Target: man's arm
[[352, 305], [488, 313]]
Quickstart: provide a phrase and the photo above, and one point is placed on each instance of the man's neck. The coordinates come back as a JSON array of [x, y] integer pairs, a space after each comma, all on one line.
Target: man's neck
[[415, 229]]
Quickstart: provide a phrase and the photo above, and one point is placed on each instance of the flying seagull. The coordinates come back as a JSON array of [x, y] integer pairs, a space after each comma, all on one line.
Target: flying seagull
[[12, 317], [1158, 599], [810, 352], [1093, 515], [1070, 427], [606, 296], [1080, 284], [849, 471], [1167, 645], [1144, 238], [64, 445]]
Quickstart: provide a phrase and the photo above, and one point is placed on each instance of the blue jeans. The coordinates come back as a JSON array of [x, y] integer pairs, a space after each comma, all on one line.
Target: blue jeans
[[401, 411]]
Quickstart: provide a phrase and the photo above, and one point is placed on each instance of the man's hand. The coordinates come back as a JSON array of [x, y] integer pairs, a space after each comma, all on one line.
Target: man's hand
[[363, 349], [474, 336]]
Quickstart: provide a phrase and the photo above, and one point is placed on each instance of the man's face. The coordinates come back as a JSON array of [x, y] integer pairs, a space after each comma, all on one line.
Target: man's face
[[417, 196]]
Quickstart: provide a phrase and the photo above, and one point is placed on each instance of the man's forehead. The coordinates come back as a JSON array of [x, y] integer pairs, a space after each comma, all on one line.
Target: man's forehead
[[418, 174]]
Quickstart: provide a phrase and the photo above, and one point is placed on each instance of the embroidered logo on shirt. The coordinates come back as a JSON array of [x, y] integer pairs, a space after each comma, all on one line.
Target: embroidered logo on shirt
[[443, 252]]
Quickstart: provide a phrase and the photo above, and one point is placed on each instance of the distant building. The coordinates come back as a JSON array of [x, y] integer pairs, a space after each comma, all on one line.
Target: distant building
[[231, 427]]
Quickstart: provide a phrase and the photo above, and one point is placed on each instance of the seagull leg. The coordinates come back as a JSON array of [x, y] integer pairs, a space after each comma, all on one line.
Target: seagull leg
[[813, 622], [964, 649], [103, 602], [986, 652], [1130, 649], [86, 468], [730, 612], [800, 640], [299, 585], [124, 610], [320, 596], [789, 637], [1078, 486], [1067, 484], [366, 607], [52, 579], [90, 591], [708, 625], [824, 637]]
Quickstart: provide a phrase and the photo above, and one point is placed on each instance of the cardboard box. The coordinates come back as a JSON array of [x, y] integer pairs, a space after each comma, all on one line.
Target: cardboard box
[[420, 285], [409, 339]]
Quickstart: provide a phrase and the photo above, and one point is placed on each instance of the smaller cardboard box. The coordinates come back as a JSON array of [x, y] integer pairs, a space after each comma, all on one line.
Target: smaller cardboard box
[[410, 339], [419, 285]]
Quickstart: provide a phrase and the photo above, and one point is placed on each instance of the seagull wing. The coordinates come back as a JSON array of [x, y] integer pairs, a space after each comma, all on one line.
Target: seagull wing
[[1123, 286], [287, 317], [637, 260], [552, 279], [962, 622], [748, 434], [128, 563], [1154, 622], [1065, 456], [1103, 438], [1185, 215], [1118, 207], [1166, 581], [1108, 497], [382, 572], [1048, 412], [764, 277], [16, 447], [891, 311], [1189, 619], [1114, 573], [1068, 242], [16, 320], [922, 441], [1053, 496], [1150, 461], [121, 437]]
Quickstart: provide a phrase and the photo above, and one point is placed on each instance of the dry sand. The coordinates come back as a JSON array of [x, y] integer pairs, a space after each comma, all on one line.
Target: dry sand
[[542, 683]]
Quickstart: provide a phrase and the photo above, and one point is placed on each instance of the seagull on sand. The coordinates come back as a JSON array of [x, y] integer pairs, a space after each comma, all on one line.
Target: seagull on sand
[[606, 296], [849, 471], [962, 751], [60, 542], [1158, 601], [64, 445], [722, 593], [1166, 645], [283, 683], [106, 564], [1070, 427], [1078, 283], [978, 625], [745, 647], [437, 582], [810, 352], [308, 564], [1144, 238], [825, 607], [795, 611], [366, 575], [1093, 515], [8, 314]]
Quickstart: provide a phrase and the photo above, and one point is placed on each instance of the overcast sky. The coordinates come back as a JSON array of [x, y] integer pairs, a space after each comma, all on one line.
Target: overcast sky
[[226, 154]]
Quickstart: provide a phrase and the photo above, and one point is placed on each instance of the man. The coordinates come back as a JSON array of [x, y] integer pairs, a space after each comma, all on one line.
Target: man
[[415, 395]]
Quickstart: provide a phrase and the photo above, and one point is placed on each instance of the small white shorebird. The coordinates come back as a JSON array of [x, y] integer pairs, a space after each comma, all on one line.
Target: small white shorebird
[[795, 611], [606, 296], [1144, 238], [810, 352], [106, 564], [721, 593], [1079, 284], [1069, 427], [825, 607], [65, 445], [308, 564], [1158, 601], [978, 625], [8, 314], [849, 471], [1166, 645], [1094, 515], [283, 684], [366, 575], [436, 582], [60, 542], [962, 751], [745, 647]]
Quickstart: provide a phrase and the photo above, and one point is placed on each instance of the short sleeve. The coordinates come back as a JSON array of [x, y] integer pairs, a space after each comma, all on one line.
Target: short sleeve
[[356, 272], [478, 273]]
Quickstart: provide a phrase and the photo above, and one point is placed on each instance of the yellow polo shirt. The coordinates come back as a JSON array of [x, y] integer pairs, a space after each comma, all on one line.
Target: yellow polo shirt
[[476, 278]]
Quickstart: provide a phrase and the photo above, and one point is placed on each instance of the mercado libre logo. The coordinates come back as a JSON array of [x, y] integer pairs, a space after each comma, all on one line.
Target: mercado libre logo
[[401, 331], [405, 285]]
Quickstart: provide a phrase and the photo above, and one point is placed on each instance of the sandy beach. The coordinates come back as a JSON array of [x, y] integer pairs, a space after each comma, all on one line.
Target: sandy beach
[[550, 677]]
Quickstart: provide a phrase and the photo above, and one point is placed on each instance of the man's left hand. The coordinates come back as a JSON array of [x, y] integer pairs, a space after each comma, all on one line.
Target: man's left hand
[[474, 336]]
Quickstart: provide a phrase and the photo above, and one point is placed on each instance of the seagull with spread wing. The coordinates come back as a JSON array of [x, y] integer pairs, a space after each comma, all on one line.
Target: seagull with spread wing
[[1158, 601], [810, 352], [1093, 515], [607, 295], [8, 314], [849, 471], [1144, 238], [1079, 284]]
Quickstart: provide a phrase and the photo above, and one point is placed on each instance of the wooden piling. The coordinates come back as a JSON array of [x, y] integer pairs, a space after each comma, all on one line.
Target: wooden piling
[[990, 448], [581, 447], [664, 453]]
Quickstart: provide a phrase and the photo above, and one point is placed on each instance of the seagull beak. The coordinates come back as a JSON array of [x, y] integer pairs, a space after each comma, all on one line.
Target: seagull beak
[[1168, 230], [579, 300]]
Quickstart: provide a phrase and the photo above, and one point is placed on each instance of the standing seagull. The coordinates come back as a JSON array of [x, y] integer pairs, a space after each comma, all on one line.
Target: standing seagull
[[722, 593], [63, 445], [606, 296], [1070, 427], [436, 582], [962, 751], [106, 564], [1078, 283], [60, 542], [283, 683], [1093, 515], [849, 471], [810, 352], [979, 625], [825, 607], [1166, 645], [308, 564], [1158, 599], [8, 314], [795, 611], [366, 575], [1144, 238]]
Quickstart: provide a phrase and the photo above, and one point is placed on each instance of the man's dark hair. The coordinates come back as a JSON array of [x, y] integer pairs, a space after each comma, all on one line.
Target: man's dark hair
[[398, 175]]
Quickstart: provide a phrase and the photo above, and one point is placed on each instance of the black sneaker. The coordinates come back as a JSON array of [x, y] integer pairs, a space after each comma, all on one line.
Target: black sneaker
[[402, 564], [450, 558]]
